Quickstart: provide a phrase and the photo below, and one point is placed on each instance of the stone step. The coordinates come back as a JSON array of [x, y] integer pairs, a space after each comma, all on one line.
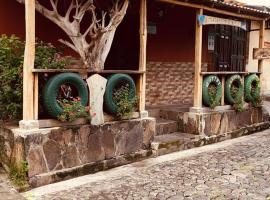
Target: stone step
[[153, 113], [175, 114], [165, 126], [173, 142]]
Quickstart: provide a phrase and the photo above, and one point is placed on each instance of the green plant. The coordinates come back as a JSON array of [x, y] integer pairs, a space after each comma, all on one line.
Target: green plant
[[11, 59], [73, 110], [48, 57], [17, 170], [257, 100], [212, 91], [125, 104], [18, 173], [238, 101], [11, 72]]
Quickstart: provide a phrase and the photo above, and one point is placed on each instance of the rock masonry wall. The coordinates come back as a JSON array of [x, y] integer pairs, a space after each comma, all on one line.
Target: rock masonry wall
[[50, 150]]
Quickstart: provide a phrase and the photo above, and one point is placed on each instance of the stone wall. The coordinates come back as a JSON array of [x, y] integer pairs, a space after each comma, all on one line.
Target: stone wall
[[170, 83], [216, 123], [59, 149]]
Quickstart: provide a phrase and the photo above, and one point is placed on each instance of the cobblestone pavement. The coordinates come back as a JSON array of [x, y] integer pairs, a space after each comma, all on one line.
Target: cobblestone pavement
[[7, 192], [238, 171]]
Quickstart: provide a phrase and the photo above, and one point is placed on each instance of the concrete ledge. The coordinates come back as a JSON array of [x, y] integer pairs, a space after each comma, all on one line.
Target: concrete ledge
[[29, 124]]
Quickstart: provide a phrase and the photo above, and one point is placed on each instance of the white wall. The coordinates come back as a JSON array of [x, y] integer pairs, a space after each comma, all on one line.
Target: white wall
[[252, 65]]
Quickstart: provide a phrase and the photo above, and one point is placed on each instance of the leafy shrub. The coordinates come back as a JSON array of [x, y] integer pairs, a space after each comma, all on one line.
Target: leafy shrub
[[125, 104], [257, 100], [18, 173], [48, 57], [73, 110], [17, 170], [212, 91], [11, 62], [11, 72], [238, 101]]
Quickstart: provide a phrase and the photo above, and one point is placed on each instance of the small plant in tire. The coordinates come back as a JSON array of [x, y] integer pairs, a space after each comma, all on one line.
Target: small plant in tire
[[212, 91], [125, 104], [234, 92], [73, 110], [238, 102], [253, 90]]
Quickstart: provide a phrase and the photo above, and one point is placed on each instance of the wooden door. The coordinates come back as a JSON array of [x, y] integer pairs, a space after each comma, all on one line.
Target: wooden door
[[230, 48]]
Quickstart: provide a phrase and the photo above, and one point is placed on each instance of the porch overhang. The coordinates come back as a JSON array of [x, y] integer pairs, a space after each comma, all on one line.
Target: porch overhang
[[221, 7]]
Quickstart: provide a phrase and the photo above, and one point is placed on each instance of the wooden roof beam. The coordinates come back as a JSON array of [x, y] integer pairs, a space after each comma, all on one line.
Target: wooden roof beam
[[215, 10]]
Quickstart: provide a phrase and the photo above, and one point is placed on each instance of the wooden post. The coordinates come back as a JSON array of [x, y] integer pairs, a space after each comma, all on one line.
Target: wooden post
[[198, 63], [142, 61], [29, 58], [36, 99], [223, 90], [261, 45]]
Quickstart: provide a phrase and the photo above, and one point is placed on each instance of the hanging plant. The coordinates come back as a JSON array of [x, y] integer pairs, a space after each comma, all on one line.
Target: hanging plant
[[212, 91], [252, 90], [72, 110], [255, 87], [238, 104], [234, 92], [125, 104]]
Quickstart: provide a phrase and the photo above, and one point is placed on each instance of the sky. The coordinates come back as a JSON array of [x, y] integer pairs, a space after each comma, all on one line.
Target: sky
[[256, 2]]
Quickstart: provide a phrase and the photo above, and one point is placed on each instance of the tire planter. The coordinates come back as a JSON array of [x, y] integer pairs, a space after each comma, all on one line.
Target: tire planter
[[51, 89], [116, 81], [237, 80], [205, 94], [250, 80]]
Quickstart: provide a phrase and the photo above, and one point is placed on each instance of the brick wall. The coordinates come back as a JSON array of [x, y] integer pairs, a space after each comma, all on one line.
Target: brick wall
[[170, 83]]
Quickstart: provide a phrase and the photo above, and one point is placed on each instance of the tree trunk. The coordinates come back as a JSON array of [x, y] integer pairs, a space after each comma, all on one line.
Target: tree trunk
[[100, 31]]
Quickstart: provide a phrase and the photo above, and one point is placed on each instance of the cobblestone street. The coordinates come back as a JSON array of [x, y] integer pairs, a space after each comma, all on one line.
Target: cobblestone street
[[238, 170]]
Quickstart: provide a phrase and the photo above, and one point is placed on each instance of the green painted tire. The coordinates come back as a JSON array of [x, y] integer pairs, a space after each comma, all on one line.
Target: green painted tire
[[115, 81], [234, 79], [250, 80], [51, 89], [205, 94]]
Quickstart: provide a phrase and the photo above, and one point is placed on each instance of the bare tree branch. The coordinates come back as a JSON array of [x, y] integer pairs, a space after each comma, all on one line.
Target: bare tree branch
[[100, 31]]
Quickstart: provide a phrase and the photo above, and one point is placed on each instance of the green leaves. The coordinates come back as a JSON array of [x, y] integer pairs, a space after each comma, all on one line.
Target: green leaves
[[72, 110], [11, 72], [48, 57], [125, 104], [11, 59], [238, 98], [212, 91]]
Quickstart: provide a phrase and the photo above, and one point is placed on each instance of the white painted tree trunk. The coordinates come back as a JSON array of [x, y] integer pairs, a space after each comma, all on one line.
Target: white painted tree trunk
[[97, 86]]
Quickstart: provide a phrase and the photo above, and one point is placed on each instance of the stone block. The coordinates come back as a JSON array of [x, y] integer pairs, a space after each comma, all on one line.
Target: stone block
[[36, 162], [52, 153], [29, 124], [70, 157], [149, 126], [192, 123]]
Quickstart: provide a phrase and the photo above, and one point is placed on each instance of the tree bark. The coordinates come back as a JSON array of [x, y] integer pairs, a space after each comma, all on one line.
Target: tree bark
[[100, 32]]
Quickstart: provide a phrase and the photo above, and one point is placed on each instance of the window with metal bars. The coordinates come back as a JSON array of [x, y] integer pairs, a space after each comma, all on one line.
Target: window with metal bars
[[230, 48]]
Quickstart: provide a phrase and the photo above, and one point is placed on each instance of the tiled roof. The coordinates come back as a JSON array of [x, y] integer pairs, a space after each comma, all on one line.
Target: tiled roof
[[242, 6]]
